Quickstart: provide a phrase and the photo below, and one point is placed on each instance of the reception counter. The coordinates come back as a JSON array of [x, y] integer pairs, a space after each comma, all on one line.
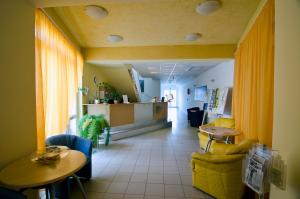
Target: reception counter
[[132, 119]]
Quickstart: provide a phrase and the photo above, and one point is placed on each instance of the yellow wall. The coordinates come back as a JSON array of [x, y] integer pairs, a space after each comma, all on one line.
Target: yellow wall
[[17, 76], [160, 52], [117, 76], [286, 134], [89, 71]]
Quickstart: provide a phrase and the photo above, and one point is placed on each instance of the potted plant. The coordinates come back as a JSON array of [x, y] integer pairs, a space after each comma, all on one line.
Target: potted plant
[[116, 96], [92, 126]]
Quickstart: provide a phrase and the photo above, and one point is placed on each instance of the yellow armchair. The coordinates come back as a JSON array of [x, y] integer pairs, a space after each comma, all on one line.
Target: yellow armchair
[[219, 173], [220, 122]]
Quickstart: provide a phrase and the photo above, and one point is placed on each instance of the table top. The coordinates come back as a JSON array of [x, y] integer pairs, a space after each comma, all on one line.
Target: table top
[[24, 173], [219, 131]]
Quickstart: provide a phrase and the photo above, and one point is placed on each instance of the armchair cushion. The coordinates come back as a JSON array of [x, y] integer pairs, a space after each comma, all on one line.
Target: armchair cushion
[[229, 149]]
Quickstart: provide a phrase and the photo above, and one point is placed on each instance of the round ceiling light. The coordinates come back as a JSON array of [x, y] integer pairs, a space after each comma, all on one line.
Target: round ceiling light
[[208, 6], [192, 36], [96, 12], [114, 38]]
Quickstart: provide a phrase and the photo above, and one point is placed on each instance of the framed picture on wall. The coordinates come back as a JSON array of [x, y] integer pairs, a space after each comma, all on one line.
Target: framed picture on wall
[[142, 85]]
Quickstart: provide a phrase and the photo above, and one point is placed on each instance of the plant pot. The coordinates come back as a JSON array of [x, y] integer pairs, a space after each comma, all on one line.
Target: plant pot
[[116, 102]]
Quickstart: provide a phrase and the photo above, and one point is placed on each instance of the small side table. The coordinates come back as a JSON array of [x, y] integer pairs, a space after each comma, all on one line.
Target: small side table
[[214, 132]]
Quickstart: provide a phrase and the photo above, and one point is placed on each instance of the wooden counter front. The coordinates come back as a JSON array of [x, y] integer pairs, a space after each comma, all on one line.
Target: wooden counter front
[[133, 113], [121, 114]]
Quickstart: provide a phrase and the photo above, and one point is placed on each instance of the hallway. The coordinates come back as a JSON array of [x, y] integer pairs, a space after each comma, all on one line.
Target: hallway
[[154, 165]]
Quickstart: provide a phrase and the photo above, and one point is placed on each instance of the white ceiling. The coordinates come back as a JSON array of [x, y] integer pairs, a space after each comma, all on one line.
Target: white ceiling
[[174, 72]]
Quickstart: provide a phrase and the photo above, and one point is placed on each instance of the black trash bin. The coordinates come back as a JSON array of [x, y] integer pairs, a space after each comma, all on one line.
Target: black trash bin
[[196, 117]]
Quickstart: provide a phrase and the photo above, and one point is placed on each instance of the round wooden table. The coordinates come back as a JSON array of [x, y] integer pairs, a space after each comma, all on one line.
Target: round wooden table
[[25, 173], [214, 132]]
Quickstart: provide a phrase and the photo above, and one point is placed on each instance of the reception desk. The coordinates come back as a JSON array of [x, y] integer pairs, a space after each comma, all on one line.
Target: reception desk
[[132, 119]]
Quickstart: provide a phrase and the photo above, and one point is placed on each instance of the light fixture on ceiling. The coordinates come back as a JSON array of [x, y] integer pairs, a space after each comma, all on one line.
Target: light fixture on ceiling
[[208, 6], [192, 36], [114, 38], [96, 12]]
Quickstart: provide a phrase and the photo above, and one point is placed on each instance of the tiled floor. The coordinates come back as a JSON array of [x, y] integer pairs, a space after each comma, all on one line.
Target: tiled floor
[[150, 166]]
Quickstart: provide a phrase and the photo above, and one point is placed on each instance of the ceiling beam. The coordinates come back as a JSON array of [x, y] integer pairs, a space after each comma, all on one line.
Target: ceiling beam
[[178, 52]]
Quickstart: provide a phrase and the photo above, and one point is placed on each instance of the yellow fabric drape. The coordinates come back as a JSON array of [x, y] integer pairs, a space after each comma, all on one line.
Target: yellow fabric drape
[[254, 79], [58, 76]]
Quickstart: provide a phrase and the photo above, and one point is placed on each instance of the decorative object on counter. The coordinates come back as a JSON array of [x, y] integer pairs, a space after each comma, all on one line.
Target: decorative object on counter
[[125, 99], [92, 126]]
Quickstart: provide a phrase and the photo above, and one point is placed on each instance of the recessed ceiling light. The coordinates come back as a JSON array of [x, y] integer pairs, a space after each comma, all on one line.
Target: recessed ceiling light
[[208, 6], [96, 12], [114, 38], [192, 36], [154, 72]]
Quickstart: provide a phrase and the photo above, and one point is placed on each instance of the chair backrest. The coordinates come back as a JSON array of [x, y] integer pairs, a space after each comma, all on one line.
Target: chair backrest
[[73, 142], [84, 145], [224, 122], [62, 140]]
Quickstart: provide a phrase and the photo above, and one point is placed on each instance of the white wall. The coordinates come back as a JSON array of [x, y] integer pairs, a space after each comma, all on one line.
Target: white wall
[[286, 134], [220, 76], [151, 89]]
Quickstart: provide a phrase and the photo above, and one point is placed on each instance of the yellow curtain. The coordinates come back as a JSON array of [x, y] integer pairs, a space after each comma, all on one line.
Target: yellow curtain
[[254, 79], [58, 76]]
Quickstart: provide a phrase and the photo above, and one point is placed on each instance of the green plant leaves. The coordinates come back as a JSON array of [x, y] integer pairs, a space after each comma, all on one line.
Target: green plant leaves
[[91, 126]]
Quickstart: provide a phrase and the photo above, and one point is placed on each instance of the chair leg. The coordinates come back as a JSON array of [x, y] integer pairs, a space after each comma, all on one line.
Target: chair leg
[[80, 186], [52, 191], [210, 139]]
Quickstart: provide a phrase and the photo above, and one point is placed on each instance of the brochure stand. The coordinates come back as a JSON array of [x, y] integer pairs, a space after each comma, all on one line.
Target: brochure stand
[[257, 166], [262, 167]]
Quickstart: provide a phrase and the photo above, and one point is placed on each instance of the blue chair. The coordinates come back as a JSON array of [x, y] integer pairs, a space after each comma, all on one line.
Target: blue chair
[[74, 143], [10, 194]]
